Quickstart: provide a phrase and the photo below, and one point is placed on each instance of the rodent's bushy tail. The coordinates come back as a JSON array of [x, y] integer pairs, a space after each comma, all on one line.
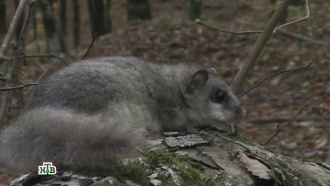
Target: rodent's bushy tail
[[66, 139]]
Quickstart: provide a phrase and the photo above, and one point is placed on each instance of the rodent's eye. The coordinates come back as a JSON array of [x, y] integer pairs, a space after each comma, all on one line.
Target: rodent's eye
[[219, 95]]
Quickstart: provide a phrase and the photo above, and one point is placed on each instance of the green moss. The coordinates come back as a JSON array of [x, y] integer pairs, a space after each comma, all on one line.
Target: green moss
[[295, 173], [138, 172], [190, 174], [99, 183], [243, 138], [163, 156], [289, 174], [134, 170]]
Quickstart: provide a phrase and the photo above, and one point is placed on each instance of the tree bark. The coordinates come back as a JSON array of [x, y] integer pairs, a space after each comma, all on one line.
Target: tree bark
[[138, 10], [229, 160], [224, 155]]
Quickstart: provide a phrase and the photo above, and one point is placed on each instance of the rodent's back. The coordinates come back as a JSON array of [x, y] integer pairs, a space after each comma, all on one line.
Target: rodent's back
[[173, 95], [90, 85]]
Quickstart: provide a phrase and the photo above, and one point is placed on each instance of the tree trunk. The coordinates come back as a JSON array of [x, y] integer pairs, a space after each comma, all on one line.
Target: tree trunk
[[97, 17], [194, 9], [108, 15], [75, 23], [3, 26], [211, 158], [20, 21], [62, 16], [53, 41], [138, 10]]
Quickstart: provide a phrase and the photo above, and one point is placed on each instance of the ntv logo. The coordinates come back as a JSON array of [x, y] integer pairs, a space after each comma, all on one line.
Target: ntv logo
[[47, 168]]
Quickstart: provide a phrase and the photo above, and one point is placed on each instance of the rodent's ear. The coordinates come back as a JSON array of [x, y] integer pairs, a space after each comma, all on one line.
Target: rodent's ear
[[212, 71], [197, 80]]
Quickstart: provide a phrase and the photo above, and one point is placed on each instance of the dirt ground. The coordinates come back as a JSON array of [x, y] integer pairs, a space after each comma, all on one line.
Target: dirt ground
[[170, 38]]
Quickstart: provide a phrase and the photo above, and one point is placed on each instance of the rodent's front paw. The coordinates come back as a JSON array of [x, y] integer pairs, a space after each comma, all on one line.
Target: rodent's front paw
[[143, 131]]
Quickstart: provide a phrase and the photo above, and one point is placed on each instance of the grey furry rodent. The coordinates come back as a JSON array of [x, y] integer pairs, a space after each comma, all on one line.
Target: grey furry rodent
[[91, 111]]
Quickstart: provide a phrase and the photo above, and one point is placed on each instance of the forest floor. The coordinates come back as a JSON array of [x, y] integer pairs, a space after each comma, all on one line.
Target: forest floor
[[170, 38]]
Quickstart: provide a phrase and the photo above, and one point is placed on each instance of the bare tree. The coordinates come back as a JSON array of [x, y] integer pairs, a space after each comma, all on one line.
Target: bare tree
[[138, 10], [194, 9], [75, 23], [62, 16], [108, 15], [98, 17], [3, 27], [20, 21], [53, 41]]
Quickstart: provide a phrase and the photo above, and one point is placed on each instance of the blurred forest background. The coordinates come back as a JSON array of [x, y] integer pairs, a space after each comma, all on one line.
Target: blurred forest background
[[164, 31]]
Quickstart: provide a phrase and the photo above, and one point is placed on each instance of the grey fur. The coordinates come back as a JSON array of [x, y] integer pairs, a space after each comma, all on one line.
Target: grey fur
[[129, 92], [67, 139]]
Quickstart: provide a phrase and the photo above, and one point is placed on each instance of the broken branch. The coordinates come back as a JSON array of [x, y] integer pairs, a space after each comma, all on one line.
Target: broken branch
[[279, 129], [17, 87], [273, 75]]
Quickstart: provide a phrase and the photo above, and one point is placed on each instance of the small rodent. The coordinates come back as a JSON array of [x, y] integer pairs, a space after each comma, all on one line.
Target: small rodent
[[87, 114]]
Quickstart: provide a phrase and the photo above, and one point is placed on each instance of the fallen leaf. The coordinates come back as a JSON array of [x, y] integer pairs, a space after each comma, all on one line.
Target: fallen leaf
[[254, 166], [322, 142]]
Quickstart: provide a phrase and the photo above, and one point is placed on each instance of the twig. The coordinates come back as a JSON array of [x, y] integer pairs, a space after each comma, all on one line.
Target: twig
[[14, 59], [43, 75], [5, 58], [44, 55], [259, 45], [46, 72], [17, 87], [301, 37], [92, 43], [265, 120], [198, 21], [275, 74], [12, 28], [290, 35], [298, 20], [279, 129], [3, 78]]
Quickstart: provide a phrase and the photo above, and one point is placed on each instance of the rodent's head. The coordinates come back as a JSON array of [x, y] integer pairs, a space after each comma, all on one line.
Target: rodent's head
[[209, 100]]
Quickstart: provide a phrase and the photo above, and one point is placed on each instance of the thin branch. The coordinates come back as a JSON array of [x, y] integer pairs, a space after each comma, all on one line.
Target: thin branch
[[92, 43], [12, 28], [5, 58], [198, 21], [279, 129], [269, 120], [42, 76], [291, 35], [46, 72], [17, 87], [16, 51], [301, 37], [298, 20], [259, 45], [273, 75], [44, 55]]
